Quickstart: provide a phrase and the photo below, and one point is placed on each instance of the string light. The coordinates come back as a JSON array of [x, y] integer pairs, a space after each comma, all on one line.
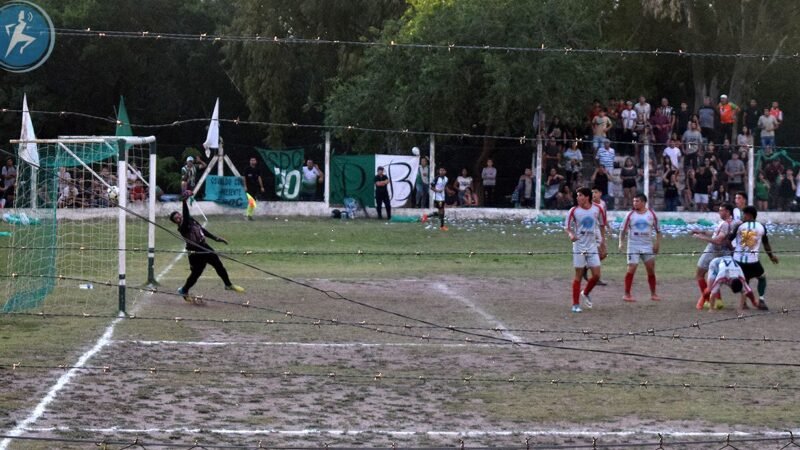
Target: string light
[[296, 41]]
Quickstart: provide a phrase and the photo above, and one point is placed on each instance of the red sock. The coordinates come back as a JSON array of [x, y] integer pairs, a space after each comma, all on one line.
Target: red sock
[[701, 283], [576, 291], [651, 280], [628, 282], [590, 284]]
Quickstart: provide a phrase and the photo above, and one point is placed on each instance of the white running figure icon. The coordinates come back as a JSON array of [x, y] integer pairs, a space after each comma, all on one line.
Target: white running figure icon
[[18, 36]]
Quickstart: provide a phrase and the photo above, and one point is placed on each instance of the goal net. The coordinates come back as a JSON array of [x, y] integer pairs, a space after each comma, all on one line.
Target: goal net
[[79, 222]]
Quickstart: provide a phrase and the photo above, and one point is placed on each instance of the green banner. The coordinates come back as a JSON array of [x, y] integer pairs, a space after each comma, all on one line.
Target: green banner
[[285, 165], [353, 176], [226, 190]]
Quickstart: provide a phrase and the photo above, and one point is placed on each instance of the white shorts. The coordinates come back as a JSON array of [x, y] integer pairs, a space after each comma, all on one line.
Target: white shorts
[[643, 254], [588, 259], [701, 198]]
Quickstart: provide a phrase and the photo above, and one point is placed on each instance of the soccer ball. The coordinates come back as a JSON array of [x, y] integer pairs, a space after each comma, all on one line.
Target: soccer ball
[[113, 193], [415, 151]]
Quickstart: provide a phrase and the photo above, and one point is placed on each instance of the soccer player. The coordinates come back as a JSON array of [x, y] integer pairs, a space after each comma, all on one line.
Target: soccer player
[[200, 253], [639, 226], [438, 187], [747, 239], [597, 199], [724, 270], [583, 222], [741, 201], [718, 245]]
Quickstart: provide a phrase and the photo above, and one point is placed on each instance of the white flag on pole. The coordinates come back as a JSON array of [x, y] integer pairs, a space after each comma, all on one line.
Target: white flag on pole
[[212, 139], [28, 151]]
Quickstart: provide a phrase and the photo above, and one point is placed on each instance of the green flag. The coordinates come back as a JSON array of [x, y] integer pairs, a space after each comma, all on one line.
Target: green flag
[[353, 176], [123, 122]]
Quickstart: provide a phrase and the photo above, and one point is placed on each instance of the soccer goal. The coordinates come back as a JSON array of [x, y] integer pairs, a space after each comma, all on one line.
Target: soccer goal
[[81, 218]]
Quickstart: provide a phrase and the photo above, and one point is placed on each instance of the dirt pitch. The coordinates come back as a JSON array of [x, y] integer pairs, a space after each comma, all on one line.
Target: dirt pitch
[[286, 380]]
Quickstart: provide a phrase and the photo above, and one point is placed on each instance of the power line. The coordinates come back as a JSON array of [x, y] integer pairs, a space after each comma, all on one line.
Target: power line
[[318, 41]]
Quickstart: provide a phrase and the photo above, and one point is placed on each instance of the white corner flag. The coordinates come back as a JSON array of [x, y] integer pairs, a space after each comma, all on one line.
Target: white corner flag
[[28, 151], [212, 139]]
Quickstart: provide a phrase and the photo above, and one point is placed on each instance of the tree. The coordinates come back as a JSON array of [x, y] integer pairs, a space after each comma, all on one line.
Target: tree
[[768, 27], [286, 83], [493, 92]]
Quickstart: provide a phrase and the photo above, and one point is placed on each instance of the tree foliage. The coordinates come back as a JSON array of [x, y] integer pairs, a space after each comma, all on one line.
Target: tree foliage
[[475, 91]]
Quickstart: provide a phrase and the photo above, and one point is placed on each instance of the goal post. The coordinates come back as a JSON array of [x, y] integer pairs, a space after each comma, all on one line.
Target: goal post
[[83, 212]]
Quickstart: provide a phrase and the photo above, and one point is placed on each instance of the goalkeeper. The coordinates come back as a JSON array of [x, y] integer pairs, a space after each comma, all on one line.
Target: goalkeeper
[[200, 253]]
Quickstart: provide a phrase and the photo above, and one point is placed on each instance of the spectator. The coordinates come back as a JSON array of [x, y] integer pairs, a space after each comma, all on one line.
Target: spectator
[[725, 151], [312, 177], [642, 109], [688, 193], [655, 178], [674, 154], [692, 144], [137, 192], [684, 116], [451, 194], [555, 130], [767, 124], [661, 127], [253, 181], [751, 115], [720, 195], [100, 197], [600, 181], [573, 160], [552, 155], [67, 192], [470, 199], [776, 112], [629, 175], [554, 181], [525, 188], [628, 119], [703, 181], [727, 118], [797, 188], [463, 182], [707, 116], [489, 177], [605, 155], [786, 191], [772, 172], [422, 182], [671, 191], [712, 155], [189, 173], [734, 169], [762, 192], [382, 194], [600, 126], [668, 112], [744, 141], [564, 198]]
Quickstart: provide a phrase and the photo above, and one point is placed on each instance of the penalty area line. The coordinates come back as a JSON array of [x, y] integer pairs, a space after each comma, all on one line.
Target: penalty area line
[[64, 379], [430, 433], [302, 344]]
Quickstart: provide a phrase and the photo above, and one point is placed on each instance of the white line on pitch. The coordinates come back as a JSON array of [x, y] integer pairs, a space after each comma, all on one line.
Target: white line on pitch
[[444, 289], [62, 381], [302, 344], [430, 433]]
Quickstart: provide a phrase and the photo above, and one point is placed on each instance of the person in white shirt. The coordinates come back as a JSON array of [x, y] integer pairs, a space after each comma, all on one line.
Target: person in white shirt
[[489, 177], [582, 226], [718, 245], [639, 227], [724, 270], [673, 153], [438, 186]]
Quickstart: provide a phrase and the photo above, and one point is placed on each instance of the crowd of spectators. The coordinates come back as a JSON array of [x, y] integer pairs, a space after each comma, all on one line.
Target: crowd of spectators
[[697, 158]]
